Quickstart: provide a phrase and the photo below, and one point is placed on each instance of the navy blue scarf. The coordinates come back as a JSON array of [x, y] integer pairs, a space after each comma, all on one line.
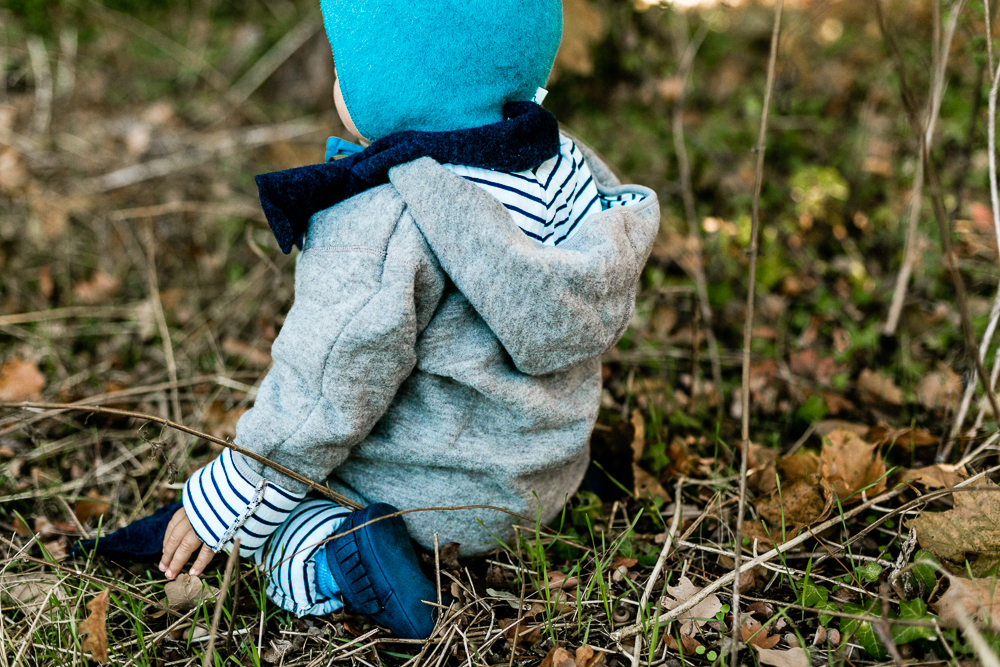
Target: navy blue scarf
[[527, 137]]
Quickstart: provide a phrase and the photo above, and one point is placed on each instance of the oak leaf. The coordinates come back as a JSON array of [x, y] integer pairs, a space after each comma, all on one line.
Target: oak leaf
[[695, 617], [850, 464], [976, 599], [187, 592], [972, 526], [939, 476], [95, 627]]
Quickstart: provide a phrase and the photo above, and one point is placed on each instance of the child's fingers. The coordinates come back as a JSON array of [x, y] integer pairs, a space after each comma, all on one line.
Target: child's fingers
[[189, 543], [171, 538], [204, 558]]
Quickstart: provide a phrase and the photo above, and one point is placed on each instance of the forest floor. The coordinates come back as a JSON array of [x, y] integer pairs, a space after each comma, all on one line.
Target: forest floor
[[137, 273]]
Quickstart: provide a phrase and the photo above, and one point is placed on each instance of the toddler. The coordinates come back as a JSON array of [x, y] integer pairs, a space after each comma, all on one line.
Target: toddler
[[458, 280]]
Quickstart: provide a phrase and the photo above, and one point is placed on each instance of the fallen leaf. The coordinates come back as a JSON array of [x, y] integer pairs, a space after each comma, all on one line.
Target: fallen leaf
[[279, 647], [756, 635], [558, 657], [798, 503], [808, 363], [939, 476], [793, 657], [95, 627], [850, 464], [901, 437], [939, 389], [187, 592], [586, 656], [21, 528], [30, 591], [875, 385], [976, 599], [57, 549], [20, 380], [972, 526], [695, 617], [97, 506], [98, 289], [689, 645]]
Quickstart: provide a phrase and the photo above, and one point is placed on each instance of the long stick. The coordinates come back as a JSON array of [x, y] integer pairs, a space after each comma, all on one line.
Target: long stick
[[753, 251]]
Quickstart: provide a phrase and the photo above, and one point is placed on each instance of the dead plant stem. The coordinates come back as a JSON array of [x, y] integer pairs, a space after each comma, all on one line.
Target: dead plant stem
[[753, 252], [234, 555], [686, 51]]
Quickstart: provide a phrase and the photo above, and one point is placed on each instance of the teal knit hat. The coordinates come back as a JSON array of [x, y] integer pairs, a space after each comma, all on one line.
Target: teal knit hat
[[439, 65]]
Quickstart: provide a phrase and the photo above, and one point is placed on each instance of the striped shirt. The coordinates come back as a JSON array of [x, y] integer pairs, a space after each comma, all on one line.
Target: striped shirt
[[222, 503], [549, 202]]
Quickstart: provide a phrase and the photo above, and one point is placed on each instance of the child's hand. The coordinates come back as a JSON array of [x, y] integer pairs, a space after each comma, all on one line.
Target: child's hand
[[179, 542]]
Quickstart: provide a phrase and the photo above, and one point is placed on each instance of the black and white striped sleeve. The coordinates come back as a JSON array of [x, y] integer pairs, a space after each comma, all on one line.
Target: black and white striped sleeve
[[225, 500]]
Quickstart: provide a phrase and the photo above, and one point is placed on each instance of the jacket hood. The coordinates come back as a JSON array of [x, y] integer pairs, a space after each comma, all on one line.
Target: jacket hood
[[550, 307]]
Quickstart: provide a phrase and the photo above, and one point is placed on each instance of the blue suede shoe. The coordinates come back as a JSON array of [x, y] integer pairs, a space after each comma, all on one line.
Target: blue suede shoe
[[379, 576]]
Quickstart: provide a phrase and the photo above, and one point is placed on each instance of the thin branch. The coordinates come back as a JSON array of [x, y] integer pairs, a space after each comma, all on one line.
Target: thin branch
[[753, 251], [937, 201], [687, 49], [936, 95]]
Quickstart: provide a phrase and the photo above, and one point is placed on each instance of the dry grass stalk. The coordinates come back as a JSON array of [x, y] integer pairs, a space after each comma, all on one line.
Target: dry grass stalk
[[753, 252], [234, 556]]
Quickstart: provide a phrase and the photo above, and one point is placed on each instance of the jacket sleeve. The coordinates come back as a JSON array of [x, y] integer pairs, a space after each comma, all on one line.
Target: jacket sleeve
[[550, 307], [362, 296]]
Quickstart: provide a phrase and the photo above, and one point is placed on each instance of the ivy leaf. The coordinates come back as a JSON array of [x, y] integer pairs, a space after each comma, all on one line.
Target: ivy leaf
[[863, 632], [926, 568], [912, 610], [812, 595], [870, 571]]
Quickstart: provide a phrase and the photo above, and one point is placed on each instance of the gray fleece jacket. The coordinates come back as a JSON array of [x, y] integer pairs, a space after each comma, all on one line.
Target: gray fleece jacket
[[437, 356]]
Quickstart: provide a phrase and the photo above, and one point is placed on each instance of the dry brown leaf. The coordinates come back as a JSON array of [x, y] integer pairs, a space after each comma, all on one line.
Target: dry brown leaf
[[695, 617], [875, 385], [977, 599], [558, 657], [901, 437], [57, 549], [757, 636], [279, 647], [97, 506], [586, 656], [186, 592], [98, 289], [939, 389], [20, 380], [799, 503], [95, 627], [29, 591], [973, 526], [21, 528], [940, 476], [688, 643], [850, 464], [793, 657]]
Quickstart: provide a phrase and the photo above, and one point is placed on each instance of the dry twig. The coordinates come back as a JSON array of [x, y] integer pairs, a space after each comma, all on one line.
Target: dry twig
[[752, 251]]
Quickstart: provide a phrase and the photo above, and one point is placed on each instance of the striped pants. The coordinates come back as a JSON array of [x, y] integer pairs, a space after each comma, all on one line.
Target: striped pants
[[298, 578]]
